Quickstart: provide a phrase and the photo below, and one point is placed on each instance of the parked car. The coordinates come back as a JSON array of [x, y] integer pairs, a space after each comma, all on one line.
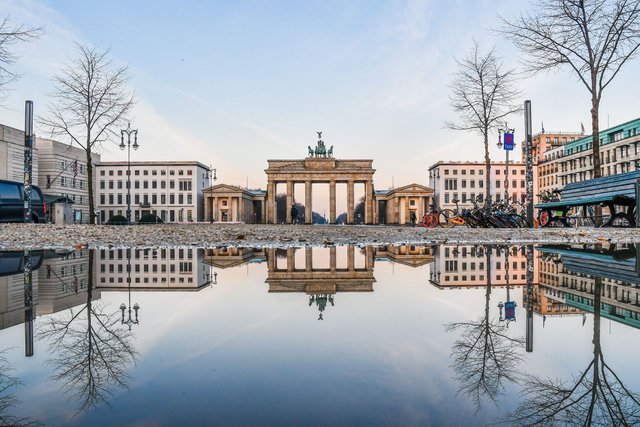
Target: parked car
[[11, 203]]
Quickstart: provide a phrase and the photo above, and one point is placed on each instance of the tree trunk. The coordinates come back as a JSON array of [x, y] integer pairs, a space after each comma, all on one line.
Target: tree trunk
[[595, 137], [487, 162], [92, 217]]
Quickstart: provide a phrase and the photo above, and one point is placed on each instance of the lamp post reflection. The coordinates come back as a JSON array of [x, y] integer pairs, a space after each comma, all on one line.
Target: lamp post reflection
[[509, 306], [212, 282], [129, 321]]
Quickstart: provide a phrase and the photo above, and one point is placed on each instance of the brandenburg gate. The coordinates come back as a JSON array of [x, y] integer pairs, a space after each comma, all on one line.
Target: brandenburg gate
[[320, 167]]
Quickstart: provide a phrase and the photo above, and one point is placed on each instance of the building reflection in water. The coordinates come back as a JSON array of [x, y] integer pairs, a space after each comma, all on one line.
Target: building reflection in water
[[555, 282], [89, 350], [321, 273], [602, 280]]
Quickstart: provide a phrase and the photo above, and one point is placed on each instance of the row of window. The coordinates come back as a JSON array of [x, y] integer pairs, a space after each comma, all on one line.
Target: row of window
[[154, 172], [481, 171], [149, 280], [67, 182], [75, 166], [450, 197], [136, 254], [171, 215], [120, 199], [183, 185], [183, 267], [612, 137]]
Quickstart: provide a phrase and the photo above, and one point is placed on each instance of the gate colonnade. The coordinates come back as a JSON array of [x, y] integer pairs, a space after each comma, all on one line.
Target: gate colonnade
[[314, 170]]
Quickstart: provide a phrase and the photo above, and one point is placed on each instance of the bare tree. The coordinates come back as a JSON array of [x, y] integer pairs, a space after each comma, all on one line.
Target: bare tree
[[9, 35], [90, 351], [91, 99], [593, 38], [485, 356], [7, 399], [483, 95], [596, 397]]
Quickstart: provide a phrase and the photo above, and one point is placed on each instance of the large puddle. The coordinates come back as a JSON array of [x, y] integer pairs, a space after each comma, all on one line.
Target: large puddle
[[396, 335]]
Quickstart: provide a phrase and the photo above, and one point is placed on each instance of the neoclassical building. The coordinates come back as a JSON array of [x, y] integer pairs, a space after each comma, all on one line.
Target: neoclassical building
[[227, 203]]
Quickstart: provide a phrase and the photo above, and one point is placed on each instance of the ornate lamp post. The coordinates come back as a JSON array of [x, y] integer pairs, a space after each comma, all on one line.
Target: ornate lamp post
[[213, 173], [508, 146], [212, 282], [135, 307], [129, 131]]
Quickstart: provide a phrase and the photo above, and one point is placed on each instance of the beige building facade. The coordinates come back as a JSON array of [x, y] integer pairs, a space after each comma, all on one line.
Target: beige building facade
[[228, 203], [12, 155], [64, 181], [465, 181], [174, 191]]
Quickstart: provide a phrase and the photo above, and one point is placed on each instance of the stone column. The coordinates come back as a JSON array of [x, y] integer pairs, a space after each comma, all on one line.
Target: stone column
[[396, 210], [368, 206], [289, 201], [350, 202], [332, 202], [369, 258], [263, 205], [291, 260], [308, 265], [332, 258], [207, 209], [242, 214], [351, 258], [407, 211], [307, 202], [271, 259], [271, 203]]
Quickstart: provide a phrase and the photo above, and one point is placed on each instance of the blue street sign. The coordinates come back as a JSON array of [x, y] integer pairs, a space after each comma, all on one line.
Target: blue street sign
[[510, 310], [508, 141]]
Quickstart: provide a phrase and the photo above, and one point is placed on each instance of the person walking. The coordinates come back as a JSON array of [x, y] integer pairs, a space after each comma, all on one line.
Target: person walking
[[413, 219], [294, 214]]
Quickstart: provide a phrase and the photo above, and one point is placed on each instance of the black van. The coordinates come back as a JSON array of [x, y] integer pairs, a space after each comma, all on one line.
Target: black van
[[11, 203]]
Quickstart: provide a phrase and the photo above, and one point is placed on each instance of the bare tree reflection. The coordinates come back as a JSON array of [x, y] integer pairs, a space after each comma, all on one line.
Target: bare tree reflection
[[596, 397], [485, 357], [91, 352], [8, 383]]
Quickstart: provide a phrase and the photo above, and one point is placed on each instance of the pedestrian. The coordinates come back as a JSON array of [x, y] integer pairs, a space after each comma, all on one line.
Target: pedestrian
[[294, 214], [413, 219]]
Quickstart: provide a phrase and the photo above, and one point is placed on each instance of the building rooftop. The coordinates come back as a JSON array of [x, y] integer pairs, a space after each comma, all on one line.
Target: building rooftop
[[154, 163], [632, 124]]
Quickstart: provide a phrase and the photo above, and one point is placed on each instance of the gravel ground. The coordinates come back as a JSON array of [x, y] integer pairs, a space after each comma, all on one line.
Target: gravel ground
[[32, 236]]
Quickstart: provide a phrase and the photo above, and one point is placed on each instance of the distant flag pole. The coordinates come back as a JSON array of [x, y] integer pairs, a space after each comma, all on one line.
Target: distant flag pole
[[542, 126]]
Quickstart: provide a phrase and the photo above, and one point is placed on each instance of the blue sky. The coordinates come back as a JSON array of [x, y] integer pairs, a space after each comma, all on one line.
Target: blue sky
[[235, 83]]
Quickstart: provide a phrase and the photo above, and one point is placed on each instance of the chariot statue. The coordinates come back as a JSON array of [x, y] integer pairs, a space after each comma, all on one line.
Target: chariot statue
[[320, 150]]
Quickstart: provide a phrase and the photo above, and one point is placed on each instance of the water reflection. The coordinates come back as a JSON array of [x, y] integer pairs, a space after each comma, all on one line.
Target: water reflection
[[90, 353], [487, 297], [596, 395], [8, 399], [485, 356]]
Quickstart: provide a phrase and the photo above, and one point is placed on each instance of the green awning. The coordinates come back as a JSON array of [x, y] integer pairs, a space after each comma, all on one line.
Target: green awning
[[50, 199], [580, 202]]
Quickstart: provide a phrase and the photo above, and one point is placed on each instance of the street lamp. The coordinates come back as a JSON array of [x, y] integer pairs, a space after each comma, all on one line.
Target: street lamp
[[213, 176], [508, 145], [135, 307], [129, 131], [212, 282]]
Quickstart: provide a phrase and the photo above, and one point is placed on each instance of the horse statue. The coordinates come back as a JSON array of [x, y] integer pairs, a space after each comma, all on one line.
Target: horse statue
[[330, 152], [321, 151], [310, 151]]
